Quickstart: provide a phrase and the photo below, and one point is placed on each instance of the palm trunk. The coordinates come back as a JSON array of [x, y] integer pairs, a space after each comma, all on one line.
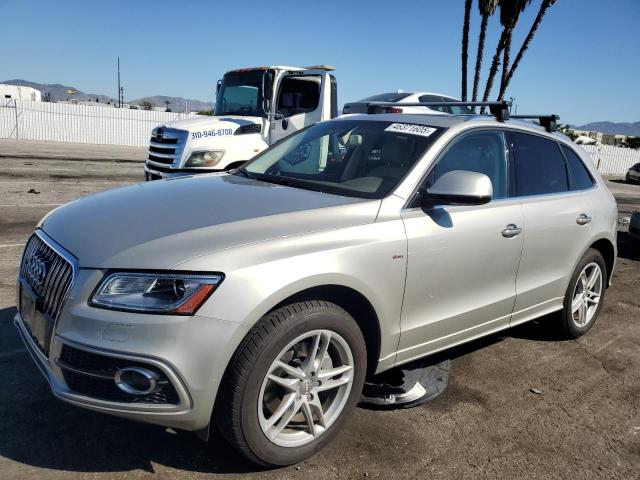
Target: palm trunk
[[543, 9], [495, 63], [465, 48], [506, 58], [481, 37]]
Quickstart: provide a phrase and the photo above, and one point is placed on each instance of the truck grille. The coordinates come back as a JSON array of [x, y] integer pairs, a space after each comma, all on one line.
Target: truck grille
[[50, 276], [92, 374], [166, 146]]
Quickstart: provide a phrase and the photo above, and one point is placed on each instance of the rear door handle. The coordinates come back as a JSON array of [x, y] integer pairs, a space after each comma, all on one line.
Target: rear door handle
[[583, 219], [511, 231]]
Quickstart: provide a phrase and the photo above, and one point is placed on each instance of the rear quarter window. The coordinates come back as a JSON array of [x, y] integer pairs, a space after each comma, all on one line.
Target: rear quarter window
[[539, 165], [579, 176]]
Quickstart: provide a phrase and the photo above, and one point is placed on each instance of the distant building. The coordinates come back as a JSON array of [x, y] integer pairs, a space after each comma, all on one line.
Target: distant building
[[15, 92], [600, 137]]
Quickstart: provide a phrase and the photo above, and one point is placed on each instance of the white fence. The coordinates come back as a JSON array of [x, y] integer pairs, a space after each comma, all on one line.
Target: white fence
[[612, 160], [80, 123]]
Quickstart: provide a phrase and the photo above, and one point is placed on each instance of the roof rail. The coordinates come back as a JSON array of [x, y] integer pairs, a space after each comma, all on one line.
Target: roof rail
[[500, 110], [549, 122]]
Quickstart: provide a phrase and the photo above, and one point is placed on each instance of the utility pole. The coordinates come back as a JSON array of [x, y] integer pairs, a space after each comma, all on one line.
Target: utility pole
[[120, 89]]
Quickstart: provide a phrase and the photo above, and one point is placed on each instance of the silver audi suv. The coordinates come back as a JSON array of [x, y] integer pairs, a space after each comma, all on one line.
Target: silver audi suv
[[260, 300]]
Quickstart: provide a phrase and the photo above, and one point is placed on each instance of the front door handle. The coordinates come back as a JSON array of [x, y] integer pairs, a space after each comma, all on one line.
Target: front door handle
[[511, 231], [583, 219]]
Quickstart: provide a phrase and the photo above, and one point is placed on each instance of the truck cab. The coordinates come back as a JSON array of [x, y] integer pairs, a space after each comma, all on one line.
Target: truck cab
[[255, 107]]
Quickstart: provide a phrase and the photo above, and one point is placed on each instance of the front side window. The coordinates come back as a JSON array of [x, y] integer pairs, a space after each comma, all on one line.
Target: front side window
[[539, 165], [360, 158], [482, 152], [298, 95], [579, 178], [240, 93]]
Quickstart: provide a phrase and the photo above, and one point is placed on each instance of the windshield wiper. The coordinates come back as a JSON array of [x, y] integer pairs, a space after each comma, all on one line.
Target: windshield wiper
[[244, 172]]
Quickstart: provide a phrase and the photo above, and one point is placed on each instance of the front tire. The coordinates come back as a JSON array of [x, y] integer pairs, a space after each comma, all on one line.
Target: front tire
[[585, 294], [292, 382]]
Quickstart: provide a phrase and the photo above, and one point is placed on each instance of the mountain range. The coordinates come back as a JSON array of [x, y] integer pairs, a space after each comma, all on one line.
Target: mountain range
[[623, 128], [59, 93]]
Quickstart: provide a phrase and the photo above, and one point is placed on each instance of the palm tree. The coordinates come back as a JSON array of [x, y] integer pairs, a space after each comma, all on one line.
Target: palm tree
[[465, 47], [510, 11], [544, 6], [487, 8]]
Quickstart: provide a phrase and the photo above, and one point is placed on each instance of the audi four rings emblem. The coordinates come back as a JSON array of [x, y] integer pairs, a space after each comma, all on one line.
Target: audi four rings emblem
[[37, 271]]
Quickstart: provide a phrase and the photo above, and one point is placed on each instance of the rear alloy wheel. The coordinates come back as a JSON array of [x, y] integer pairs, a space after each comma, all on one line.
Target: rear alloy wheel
[[291, 383], [585, 294]]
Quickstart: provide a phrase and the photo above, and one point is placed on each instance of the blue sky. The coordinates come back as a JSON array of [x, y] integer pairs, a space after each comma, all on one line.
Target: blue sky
[[584, 56]]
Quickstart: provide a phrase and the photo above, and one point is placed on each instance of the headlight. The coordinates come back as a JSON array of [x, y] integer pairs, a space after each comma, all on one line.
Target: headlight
[[178, 294], [205, 159]]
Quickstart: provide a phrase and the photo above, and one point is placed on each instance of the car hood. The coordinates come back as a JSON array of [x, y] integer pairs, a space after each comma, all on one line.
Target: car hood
[[202, 122], [156, 225]]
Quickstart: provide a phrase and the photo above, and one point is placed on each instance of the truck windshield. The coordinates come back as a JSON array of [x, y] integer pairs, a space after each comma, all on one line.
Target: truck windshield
[[240, 94], [358, 158]]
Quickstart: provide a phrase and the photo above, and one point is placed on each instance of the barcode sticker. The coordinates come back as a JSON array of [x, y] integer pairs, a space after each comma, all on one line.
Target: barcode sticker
[[410, 128]]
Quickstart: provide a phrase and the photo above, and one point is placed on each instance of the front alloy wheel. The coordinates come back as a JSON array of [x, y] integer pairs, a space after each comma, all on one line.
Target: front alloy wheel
[[306, 388], [292, 382]]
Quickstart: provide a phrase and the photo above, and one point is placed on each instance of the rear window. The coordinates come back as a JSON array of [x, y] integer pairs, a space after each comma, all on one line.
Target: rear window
[[386, 97], [539, 166], [579, 176]]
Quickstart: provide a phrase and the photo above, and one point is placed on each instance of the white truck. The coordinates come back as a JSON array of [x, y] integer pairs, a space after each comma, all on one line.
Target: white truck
[[255, 107]]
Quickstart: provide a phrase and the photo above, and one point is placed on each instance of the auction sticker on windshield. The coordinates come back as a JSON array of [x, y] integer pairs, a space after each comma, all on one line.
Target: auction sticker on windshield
[[411, 129]]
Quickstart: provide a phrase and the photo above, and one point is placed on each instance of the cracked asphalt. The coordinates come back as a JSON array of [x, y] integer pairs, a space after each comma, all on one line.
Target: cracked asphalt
[[583, 422]]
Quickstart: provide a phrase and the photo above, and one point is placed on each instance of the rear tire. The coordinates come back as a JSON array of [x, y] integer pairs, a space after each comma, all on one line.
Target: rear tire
[[280, 402], [585, 295]]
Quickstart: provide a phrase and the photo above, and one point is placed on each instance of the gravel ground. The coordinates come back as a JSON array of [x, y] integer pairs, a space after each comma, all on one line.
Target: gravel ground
[[584, 423]]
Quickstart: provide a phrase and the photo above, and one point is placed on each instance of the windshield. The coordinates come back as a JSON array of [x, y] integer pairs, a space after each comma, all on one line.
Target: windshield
[[240, 94], [359, 158]]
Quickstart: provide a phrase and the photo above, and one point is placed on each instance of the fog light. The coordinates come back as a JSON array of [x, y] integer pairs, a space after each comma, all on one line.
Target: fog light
[[136, 380]]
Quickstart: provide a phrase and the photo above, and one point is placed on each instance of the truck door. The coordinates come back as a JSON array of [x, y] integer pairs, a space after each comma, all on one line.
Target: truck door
[[299, 102]]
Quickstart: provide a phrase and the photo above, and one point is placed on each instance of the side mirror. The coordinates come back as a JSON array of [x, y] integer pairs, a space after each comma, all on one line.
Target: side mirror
[[458, 187]]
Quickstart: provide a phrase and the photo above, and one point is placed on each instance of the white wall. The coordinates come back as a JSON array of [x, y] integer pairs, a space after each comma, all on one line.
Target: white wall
[[19, 92], [80, 123]]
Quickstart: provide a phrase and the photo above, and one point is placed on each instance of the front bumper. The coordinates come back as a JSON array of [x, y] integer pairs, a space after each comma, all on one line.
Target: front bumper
[[194, 361]]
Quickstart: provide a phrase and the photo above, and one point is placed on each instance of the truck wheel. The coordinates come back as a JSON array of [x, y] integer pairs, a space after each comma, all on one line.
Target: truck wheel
[[292, 382], [585, 294]]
